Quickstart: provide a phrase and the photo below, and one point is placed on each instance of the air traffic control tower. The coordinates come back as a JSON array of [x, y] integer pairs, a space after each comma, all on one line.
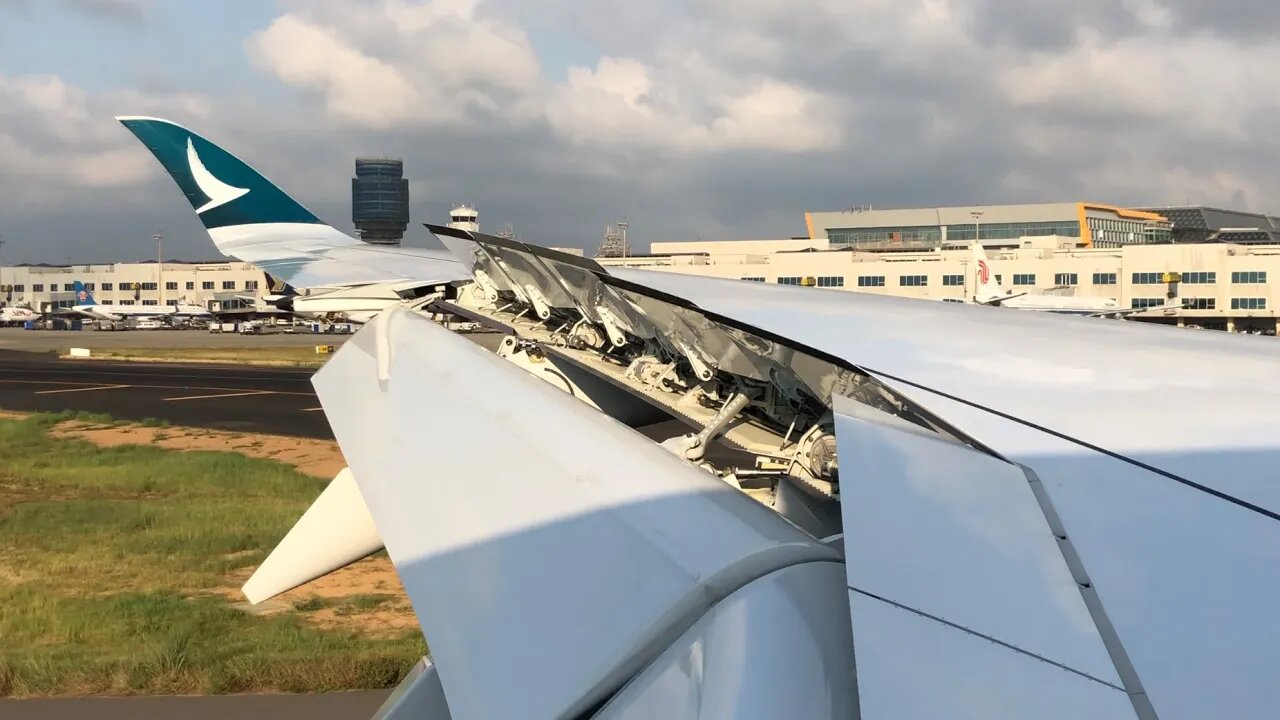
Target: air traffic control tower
[[380, 200]]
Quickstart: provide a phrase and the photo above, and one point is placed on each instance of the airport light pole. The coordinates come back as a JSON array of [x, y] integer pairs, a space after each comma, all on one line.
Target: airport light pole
[[159, 238], [7, 293], [977, 225]]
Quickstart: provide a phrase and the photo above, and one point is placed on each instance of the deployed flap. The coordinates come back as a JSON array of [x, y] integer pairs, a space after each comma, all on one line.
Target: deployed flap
[[418, 697], [549, 551], [1186, 581], [957, 539]]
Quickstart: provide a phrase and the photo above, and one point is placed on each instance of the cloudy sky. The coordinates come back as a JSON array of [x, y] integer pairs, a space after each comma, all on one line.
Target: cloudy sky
[[692, 118]]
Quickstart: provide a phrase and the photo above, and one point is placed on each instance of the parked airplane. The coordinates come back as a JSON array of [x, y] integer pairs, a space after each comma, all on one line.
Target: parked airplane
[[87, 306], [988, 290], [16, 314], [992, 511]]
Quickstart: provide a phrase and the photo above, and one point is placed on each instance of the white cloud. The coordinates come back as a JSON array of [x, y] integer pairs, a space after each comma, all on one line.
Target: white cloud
[[355, 87], [394, 63], [623, 102], [1204, 85], [54, 135]]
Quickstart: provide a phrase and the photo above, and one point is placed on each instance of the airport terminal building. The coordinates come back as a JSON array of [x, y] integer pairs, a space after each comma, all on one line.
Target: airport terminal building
[[211, 284], [1089, 224], [1219, 285]]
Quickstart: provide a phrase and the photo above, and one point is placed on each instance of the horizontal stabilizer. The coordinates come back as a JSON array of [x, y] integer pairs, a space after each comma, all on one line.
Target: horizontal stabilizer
[[333, 533]]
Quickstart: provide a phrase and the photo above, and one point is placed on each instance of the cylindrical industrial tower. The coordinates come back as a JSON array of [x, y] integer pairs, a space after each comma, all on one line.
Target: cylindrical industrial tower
[[464, 217], [380, 200]]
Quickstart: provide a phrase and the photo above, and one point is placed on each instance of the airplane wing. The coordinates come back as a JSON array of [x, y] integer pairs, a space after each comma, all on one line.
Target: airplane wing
[[252, 220], [885, 507], [996, 302]]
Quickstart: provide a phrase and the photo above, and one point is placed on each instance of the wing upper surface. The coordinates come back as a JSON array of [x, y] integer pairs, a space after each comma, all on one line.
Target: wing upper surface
[[1199, 405]]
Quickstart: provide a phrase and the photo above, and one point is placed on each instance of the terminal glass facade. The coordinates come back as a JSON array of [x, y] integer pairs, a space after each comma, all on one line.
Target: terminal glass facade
[[1011, 231], [855, 237], [932, 235]]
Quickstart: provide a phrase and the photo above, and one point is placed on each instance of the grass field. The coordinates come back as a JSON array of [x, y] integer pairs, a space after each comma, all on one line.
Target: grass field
[[114, 566], [279, 356]]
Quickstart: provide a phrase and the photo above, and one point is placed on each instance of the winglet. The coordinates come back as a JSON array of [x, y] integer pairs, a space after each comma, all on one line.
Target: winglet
[[222, 189]]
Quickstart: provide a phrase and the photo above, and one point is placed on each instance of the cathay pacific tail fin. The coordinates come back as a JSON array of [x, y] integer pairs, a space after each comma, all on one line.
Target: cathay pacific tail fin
[[251, 219]]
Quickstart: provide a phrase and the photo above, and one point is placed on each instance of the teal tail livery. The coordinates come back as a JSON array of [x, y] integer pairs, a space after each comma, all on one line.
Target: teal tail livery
[[223, 190], [83, 295], [252, 220]]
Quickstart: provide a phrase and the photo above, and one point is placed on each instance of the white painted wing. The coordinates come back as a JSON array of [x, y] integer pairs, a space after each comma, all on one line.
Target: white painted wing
[[549, 551], [1204, 406], [1157, 451], [313, 255]]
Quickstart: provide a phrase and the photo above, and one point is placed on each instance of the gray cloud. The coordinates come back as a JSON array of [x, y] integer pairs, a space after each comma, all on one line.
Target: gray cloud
[[731, 119], [127, 11]]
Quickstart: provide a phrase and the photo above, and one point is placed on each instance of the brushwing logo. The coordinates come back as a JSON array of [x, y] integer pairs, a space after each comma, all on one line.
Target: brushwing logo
[[218, 192], [984, 273]]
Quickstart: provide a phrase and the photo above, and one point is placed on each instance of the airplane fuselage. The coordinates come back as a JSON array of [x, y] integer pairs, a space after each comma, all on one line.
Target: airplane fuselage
[[120, 312]]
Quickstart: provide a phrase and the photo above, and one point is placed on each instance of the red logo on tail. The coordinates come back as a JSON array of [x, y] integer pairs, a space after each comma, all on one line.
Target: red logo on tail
[[984, 273]]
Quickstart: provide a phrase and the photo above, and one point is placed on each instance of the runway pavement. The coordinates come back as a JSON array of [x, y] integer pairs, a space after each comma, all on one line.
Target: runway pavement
[[14, 338], [324, 706], [226, 397]]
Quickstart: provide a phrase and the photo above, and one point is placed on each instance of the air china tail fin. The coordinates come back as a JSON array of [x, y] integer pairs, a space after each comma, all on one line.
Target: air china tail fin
[[986, 288], [83, 295], [237, 205]]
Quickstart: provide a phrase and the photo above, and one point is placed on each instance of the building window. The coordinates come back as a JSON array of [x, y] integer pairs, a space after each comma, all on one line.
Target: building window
[[1024, 278], [19, 288], [885, 235], [913, 280], [171, 286], [870, 281], [38, 287], [1249, 303], [106, 302], [150, 302], [191, 285], [149, 286], [830, 281], [1200, 303], [88, 286], [67, 287], [206, 285], [1146, 278], [1250, 277], [967, 232], [1066, 279], [250, 284], [1199, 278], [126, 302], [106, 286], [953, 280], [786, 280], [228, 284], [1104, 278], [172, 303], [753, 279], [1144, 303]]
